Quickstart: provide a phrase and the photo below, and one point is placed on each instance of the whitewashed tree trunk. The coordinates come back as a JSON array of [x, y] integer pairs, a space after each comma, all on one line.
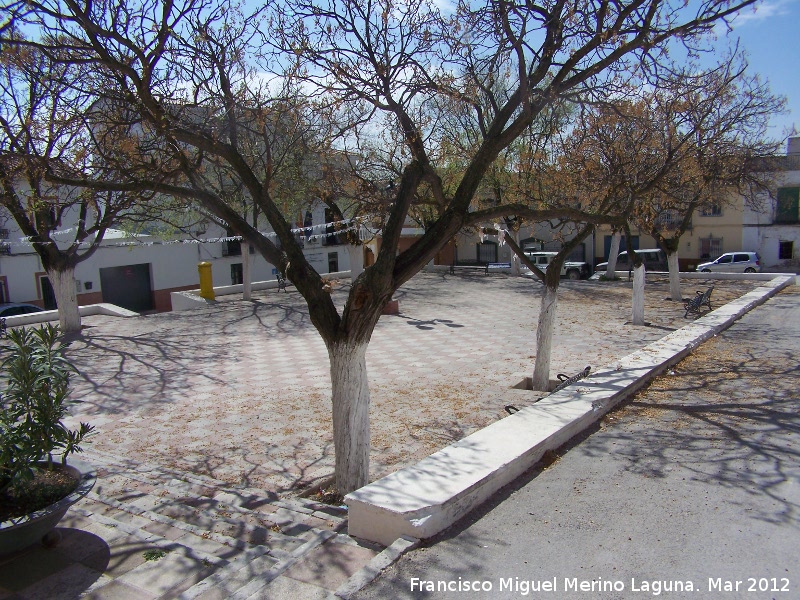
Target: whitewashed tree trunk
[[350, 414], [544, 339], [515, 262], [638, 295], [63, 282], [356, 254], [613, 252], [246, 277], [674, 277]]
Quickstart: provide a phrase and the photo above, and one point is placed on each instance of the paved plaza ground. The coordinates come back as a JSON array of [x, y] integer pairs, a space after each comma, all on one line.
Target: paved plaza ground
[[240, 391], [212, 422], [696, 478]]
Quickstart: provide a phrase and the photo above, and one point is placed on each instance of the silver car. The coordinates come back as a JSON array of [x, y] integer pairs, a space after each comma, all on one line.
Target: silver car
[[733, 262]]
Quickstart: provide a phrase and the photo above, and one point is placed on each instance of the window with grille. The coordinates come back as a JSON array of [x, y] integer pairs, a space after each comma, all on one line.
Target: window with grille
[[710, 247], [714, 210], [785, 250], [487, 252], [668, 220], [236, 274]]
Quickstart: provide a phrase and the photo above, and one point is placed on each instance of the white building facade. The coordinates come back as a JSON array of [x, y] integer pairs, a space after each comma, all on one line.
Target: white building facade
[[139, 272], [775, 230]]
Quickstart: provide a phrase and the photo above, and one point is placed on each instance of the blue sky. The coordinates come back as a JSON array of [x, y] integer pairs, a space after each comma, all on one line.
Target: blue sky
[[770, 37]]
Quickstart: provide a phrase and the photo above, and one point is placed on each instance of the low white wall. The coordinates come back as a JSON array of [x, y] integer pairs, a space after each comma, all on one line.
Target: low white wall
[[189, 299], [52, 315]]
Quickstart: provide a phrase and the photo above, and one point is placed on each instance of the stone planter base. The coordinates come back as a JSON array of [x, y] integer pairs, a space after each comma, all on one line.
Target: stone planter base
[[22, 532]]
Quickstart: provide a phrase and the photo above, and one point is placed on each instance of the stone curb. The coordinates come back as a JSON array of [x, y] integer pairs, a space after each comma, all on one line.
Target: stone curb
[[103, 308], [424, 499], [368, 573], [226, 574]]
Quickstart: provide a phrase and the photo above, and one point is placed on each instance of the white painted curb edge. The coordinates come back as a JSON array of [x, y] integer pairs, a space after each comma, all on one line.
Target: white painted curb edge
[[426, 498]]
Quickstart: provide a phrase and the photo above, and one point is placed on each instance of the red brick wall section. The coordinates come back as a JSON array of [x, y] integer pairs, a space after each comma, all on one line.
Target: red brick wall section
[[90, 298], [446, 255]]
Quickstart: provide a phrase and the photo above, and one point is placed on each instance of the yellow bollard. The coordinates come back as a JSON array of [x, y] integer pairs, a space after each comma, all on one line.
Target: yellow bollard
[[206, 281]]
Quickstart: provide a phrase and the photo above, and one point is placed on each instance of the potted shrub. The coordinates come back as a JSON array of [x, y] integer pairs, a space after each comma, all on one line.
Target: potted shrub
[[37, 481]]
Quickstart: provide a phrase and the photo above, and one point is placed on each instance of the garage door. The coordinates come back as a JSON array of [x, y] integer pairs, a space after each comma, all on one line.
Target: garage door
[[128, 287]]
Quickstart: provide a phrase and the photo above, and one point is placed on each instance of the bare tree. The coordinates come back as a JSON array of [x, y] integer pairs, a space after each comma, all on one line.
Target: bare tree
[[717, 124], [43, 136], [364, 62]]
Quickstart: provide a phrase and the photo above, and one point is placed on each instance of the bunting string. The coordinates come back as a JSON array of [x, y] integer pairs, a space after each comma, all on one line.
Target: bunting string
[[309, 233]]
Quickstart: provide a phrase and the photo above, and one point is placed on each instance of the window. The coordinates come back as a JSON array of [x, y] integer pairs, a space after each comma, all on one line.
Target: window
[[232, 248], [710, 247], [785, 250], [787, 209], [333, 262], [668, 220], [623, 243], [331, 239], [715, 210], [487, 252], [237, 276]]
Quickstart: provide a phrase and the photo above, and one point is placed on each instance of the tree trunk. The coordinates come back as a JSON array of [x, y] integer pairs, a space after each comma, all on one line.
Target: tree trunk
[[638, 295], [674, 277], [612, 255], [544, 337], [356, 254], [515, 270], [350, 399], [63, 282], [246, 277]]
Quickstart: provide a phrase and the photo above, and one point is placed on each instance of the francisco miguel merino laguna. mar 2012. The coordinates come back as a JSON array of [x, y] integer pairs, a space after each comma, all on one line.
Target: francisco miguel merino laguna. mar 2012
[[525, 587]]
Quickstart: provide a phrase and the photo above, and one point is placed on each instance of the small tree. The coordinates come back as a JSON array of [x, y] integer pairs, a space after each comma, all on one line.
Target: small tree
[[44, 136], [720, 120]]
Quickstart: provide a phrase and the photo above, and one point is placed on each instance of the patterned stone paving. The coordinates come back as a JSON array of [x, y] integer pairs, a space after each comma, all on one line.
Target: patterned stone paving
[[240, 391], [211, 422]]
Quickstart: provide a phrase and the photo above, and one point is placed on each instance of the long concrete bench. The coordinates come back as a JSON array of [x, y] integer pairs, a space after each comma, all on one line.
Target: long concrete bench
[[426, 498]]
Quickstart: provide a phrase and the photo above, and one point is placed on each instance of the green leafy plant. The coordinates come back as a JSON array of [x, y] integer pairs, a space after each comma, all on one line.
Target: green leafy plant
[[34, 402], [151, 555]]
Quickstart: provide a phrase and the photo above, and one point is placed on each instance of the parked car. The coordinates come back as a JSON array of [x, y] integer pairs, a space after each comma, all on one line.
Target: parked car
[[733, 262], [654, 260], [571, 269], [11, 309]]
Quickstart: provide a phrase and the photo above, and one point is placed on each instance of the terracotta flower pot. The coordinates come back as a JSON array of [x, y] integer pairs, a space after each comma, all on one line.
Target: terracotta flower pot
[[21, 532]]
